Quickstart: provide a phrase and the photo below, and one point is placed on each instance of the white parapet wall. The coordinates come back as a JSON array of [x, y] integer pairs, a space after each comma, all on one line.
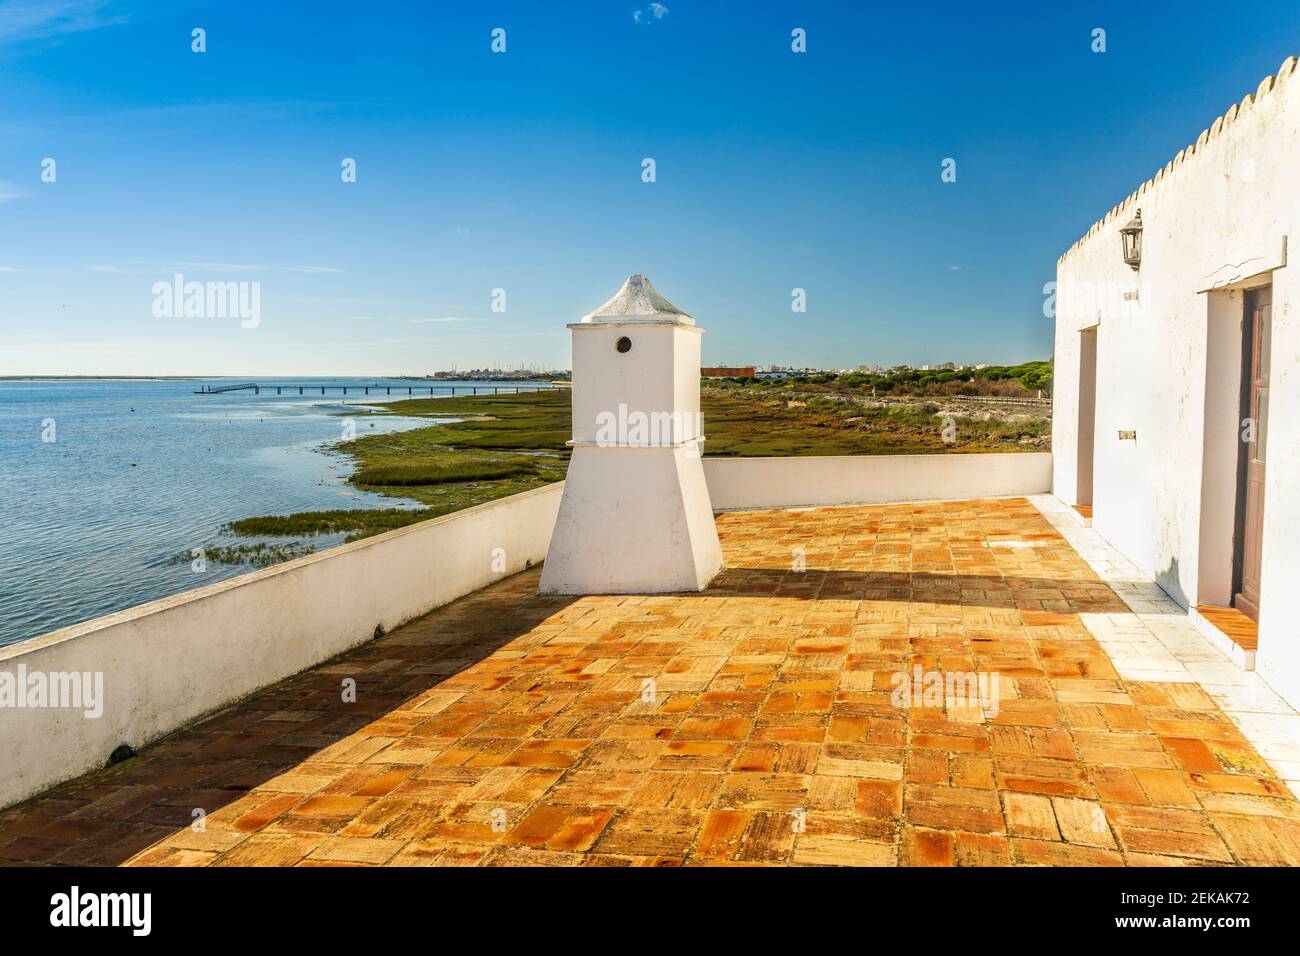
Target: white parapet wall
[[749, 483], [166, 663]]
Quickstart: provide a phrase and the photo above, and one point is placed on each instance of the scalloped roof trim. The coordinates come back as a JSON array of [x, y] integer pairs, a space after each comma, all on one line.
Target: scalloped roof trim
[[1235, 112]]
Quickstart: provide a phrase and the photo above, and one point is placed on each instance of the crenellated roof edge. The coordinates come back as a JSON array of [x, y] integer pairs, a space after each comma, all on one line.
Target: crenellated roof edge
[[1231, 116]]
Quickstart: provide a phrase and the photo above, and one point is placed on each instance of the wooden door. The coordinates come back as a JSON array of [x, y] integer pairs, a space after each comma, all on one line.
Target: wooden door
[[1256, 331], [1087, 420]]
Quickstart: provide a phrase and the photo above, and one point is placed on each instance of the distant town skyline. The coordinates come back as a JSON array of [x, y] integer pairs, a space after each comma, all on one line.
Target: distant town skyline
[[488, 372], [392, 189]]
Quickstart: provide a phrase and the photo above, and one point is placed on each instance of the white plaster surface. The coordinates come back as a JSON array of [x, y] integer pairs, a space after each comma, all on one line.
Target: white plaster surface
[[168, 662], [636, 516], [633, 521], [816, 480], [637, 299]]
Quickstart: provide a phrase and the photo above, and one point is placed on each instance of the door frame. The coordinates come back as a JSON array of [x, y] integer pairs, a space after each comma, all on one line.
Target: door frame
[[1245, 402]]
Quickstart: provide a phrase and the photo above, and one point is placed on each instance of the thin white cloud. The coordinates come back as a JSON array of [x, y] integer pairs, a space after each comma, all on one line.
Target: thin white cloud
[[10, 191], [104, 269], [9, 269], [206, 111], [420, 320], [656, 11], [222, 266], [252, 267], [41, 19]]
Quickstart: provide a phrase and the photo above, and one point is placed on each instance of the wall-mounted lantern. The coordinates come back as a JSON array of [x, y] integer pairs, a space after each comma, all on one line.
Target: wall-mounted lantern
[[1132, 236]]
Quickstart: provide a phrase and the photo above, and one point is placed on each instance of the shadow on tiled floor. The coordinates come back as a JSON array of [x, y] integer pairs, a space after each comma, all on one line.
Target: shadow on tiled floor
[[753, 723], [105, 817]]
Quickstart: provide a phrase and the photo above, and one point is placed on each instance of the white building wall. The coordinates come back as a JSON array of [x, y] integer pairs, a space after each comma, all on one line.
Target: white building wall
[[1216, 221], [1278, 657], [807, 481]]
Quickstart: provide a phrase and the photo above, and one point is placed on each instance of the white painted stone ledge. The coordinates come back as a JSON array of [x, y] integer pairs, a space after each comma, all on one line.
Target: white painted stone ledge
[[737, 484], [171, 661]]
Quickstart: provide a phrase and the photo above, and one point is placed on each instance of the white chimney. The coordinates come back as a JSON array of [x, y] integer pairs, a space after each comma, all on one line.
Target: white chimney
[[635, 517]]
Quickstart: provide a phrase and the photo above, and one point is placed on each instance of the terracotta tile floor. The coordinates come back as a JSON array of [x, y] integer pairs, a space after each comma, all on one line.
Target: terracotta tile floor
[[1240, 629], [751, 724]]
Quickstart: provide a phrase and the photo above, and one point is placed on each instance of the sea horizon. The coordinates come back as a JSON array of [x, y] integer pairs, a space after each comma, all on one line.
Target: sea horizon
[[110, 482]]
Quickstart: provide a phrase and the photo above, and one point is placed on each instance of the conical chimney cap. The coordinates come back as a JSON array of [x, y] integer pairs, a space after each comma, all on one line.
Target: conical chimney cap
[[638, 299]]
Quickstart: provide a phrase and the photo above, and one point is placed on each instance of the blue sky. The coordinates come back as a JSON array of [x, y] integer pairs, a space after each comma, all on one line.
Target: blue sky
[[522, 171]]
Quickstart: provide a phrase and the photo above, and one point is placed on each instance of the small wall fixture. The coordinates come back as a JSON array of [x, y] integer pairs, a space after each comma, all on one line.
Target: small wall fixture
[[1132, 237]]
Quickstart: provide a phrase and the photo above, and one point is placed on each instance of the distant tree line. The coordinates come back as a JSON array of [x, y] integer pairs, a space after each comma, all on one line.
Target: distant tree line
[[1025, 378]]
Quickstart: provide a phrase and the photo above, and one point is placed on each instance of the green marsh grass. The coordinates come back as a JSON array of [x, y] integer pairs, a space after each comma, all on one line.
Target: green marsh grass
[[505, 444]]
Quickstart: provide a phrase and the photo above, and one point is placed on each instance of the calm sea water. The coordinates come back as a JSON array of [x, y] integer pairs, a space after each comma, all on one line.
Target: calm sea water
[[142, 471]]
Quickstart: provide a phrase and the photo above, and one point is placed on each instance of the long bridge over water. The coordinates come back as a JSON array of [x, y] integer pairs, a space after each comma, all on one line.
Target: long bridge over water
[[257, 387]]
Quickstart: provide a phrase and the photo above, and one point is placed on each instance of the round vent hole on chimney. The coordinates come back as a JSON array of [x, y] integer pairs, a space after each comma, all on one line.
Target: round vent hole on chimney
[[624, 344]]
